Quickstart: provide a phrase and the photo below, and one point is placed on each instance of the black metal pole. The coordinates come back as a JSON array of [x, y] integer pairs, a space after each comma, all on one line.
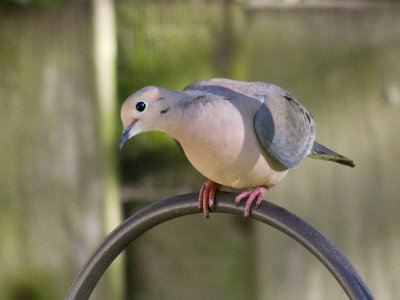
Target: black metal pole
[[268, 213]]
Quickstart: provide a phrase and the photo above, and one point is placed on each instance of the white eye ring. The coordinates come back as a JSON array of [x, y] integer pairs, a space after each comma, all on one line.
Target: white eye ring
[[141, 105]]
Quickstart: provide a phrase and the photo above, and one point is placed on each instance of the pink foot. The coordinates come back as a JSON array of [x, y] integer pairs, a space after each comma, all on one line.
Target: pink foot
[[207, 196], [258, 194]]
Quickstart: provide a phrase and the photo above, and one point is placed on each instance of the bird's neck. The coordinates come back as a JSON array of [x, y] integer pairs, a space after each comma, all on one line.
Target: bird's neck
[[171, 113]]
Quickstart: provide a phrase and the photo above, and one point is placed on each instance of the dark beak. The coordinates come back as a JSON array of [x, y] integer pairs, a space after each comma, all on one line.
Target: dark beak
[[126, 134]]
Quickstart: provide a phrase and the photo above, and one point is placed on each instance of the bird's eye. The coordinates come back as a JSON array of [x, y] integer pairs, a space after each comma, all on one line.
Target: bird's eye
[[141, 106]]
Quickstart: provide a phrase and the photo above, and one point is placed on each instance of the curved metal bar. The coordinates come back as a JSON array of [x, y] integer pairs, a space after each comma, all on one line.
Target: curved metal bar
[[268, 213]]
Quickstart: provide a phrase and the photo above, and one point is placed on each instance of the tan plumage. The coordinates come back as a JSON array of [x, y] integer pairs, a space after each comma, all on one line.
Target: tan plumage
[[237, 134]]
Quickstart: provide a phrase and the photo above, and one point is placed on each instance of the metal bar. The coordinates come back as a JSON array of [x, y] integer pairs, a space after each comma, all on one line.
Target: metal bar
[[268, 213]]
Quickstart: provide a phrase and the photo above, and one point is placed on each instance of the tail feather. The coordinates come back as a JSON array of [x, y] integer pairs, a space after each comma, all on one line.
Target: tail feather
[[321, 152]]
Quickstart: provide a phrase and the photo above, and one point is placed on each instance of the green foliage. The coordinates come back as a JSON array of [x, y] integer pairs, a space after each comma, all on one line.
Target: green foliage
[[156, 47]]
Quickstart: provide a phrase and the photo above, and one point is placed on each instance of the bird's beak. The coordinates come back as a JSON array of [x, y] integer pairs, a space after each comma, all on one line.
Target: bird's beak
[[126, 133]]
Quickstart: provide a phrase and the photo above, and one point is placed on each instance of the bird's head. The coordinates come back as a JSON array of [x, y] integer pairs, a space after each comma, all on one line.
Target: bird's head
[[141, 111]]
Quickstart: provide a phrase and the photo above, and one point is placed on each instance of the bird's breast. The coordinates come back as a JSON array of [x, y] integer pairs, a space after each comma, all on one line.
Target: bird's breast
[[220, 142]]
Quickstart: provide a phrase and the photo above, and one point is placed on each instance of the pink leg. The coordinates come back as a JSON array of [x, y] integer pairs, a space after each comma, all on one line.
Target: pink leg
[[207, 196], [258, 194]]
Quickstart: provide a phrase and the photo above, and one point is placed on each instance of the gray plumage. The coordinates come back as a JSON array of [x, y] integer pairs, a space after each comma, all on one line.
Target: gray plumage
[[285, 128], [237, 134], [319, 151]]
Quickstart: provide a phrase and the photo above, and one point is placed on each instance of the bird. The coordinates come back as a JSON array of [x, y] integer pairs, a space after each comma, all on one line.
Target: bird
[[241, 135]]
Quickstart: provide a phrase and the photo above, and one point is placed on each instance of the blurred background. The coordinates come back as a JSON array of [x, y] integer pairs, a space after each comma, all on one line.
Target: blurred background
[[67, 66]]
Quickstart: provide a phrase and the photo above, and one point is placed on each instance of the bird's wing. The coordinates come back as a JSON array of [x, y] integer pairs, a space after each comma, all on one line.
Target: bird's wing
[[285, 128]]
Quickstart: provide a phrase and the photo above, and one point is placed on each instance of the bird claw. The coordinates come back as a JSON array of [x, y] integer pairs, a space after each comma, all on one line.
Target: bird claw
[[258, 202], [257, 195], [207, 197]]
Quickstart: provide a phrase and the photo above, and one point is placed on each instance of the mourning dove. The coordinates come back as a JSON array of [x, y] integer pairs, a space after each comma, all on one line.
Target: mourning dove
[[243, 135]]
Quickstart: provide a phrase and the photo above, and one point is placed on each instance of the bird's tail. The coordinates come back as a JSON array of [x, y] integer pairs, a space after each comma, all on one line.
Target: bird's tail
[[321, 152]]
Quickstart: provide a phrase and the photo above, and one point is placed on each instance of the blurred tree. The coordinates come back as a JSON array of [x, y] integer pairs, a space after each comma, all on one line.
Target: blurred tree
[[58, 188]]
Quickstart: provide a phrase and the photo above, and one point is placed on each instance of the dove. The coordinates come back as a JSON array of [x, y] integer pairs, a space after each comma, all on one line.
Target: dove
[[241, 135]]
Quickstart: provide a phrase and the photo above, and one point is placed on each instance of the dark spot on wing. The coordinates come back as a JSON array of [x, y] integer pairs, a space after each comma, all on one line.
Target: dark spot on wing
[[308, 117], [288, 98]]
